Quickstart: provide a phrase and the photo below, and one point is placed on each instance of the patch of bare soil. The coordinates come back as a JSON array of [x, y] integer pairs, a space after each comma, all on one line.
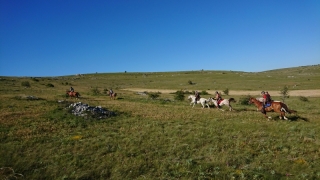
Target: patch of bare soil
[[306, 93]]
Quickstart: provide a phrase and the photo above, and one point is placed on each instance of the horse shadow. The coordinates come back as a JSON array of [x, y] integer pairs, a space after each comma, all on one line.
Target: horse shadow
[[291, 118], [274, 117], [297, 117]]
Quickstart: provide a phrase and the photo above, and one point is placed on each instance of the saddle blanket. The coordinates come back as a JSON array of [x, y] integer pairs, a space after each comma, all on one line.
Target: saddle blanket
[[267, 105], [220, 101]]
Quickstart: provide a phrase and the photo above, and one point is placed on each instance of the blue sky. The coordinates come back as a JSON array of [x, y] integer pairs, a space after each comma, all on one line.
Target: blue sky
[[59, 37]]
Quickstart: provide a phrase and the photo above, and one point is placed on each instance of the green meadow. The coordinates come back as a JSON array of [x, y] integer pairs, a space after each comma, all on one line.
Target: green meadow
[[162, 137]]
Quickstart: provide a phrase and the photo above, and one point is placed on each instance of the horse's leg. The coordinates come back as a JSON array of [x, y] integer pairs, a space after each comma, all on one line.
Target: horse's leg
[[264, 112], [202, 103], [283, 114]]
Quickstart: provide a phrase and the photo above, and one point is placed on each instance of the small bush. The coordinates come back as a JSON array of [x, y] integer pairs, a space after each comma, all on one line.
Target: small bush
[[50, 85], [188, 92], [226, 91], [95, 91], [190, 82], [244, 100], [153, 95], [204, 93], [25, 84], [179, 96], [34, 79], [303, 98]]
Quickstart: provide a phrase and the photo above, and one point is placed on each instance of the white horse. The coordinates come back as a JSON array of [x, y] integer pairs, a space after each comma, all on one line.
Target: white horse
[[203, 101], [226, 102]]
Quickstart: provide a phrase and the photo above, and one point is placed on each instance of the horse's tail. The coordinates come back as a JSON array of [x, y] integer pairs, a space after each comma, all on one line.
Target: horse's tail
[[285, 108], [232, 100]]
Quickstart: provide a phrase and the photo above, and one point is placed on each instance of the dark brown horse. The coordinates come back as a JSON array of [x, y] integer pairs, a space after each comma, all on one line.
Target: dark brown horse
[[276, 106], [72, 94], [113, 95]]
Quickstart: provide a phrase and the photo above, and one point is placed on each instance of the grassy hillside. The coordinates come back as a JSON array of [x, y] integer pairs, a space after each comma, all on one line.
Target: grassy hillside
[[158, 138]]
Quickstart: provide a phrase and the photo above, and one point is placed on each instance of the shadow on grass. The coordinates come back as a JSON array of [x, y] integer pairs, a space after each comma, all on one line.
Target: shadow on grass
[[274, 117], [290, 118], [297, 117]]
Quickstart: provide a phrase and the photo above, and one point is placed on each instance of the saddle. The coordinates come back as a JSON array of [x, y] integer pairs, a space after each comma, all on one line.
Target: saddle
[[219, 101]]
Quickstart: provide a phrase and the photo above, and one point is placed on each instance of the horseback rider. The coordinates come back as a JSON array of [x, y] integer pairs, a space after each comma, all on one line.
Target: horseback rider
[[266, 97], [71, 89], [266, 100], [110, 92], [218, 98], [197, 95]]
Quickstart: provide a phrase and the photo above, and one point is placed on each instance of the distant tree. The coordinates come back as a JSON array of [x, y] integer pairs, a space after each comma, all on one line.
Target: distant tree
[[284, 93], [226, 91]]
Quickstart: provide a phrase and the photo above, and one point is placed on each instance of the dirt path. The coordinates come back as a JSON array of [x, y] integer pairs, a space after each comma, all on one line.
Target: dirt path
[[306, 93]]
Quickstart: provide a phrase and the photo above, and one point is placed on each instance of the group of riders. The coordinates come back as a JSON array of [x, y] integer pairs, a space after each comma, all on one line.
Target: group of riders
[[265, 95], [110, 91], [217, 97]]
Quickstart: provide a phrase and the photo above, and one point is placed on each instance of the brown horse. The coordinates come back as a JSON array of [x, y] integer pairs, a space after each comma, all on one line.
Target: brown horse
[[276, 106], [113, 95], [72, 94]]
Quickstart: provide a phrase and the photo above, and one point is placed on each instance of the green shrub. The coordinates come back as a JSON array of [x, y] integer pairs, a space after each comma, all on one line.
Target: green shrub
[[25, 84], [284, 93], [204, 92], [226, 91], [303, 98], [50, 85], [244, 100], [190, 82], [95, 91], [34, 79], [179, 95], [153, 95]]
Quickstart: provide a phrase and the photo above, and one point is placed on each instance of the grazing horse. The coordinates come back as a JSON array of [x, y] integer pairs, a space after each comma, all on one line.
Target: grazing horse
[[201, 101], [275, 106], [113, 95], [72, 94], [226, 102]]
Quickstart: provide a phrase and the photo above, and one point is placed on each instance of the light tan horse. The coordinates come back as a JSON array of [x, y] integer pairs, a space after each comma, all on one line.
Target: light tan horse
[[72, 94], [276, 106]]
